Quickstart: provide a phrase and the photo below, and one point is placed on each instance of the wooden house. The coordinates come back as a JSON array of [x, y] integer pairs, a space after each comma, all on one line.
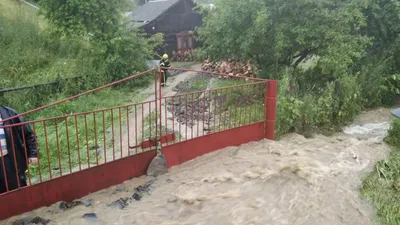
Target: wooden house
[[173, 18]]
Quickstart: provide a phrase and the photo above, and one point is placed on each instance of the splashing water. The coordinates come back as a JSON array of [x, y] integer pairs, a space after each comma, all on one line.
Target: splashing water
[[376, 130]]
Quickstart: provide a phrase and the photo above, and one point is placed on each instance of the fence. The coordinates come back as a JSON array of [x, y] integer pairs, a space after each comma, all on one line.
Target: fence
[[118, 143]]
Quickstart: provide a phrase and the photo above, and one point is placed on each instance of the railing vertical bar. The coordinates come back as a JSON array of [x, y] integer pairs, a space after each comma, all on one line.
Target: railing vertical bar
[[68, 145], [192, 123], [186, 117], [47, 148], [150, 119], [104, 138], [127, 130], [136, 133], [96, 143], [120, 131], [37, 152], [26, 154], [112, 133], [180, 118], [77, 143], [87, 140], [15, 157], [58, 148]]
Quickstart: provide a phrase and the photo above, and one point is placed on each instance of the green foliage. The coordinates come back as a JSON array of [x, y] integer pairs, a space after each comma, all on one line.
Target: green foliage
[[381, 63], [126, 54], [81, 40], [92, 18], [25, 51], [337, 103], [393, 137], [312, 47], [332, 58], [85, 131], [382, 187], [278, 34], [114, 49]]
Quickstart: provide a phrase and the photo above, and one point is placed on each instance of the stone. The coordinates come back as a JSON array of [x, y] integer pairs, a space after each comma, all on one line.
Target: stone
[[136, 196], [120, 203], [90, 216], [35, 220], [69, 205], [158, 166]]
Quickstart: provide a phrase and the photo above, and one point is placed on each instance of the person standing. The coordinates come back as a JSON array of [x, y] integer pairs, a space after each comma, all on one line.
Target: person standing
[[18, 146], [164, 63]]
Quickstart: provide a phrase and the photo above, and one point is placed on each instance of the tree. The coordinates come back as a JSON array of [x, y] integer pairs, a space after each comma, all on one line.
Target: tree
[[99, 19], [279, 34], [115, 48], [380, 67]]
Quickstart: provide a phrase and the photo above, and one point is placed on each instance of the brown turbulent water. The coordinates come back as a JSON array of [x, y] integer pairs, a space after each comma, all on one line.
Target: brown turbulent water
[[292, 181]]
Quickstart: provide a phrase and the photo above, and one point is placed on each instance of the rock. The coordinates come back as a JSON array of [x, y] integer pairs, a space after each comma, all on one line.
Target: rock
[[120, 189], [69, 205], [86, 203], [120, 203], [169, 181], [136, 196], [90, 216], [158, 166], [144, 188], [35, 220]]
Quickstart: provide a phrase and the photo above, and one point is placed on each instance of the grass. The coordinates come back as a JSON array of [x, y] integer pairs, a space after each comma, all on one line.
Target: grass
[[382, 187], [86, 133], [150, 130], [200, 84], [245, 104], [11, 9], [180, 64], [32, 56], [241, 106], [228, 82]]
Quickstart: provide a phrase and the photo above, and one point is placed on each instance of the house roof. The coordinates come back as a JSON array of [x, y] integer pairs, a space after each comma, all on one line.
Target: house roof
[[151, 11]]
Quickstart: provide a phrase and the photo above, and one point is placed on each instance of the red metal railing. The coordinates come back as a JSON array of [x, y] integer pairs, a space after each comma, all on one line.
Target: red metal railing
[[196, 114], [75, 142]]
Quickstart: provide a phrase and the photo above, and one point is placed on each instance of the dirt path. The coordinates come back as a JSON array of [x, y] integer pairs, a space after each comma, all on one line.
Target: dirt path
[[292, 181], [136, 126]]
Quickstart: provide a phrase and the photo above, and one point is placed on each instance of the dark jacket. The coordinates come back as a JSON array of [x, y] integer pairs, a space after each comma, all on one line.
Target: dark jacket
[[165, 63], [19, 148]]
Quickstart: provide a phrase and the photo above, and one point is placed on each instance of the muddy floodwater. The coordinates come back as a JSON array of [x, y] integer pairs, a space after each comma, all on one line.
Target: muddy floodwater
[[292, 181]]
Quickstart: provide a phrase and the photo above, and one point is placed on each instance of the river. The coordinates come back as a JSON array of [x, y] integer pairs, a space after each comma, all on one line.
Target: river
[[291, 181]]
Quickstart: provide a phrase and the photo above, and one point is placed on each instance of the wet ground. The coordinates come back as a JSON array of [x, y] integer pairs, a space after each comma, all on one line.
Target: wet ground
[[292, 181]]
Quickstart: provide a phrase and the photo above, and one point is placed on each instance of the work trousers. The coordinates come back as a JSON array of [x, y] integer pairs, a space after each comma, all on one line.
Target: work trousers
[[11, 176], [164, 77]]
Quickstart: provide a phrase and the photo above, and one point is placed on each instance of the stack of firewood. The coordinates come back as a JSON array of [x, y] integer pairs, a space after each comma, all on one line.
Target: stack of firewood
[[230, 66], [184, 56]]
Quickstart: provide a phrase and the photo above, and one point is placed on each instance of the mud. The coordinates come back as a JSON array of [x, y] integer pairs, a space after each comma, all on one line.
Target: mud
[[292, 181]]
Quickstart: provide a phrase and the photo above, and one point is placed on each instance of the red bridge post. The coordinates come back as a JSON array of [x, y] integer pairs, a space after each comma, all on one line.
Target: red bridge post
[[270, 108]]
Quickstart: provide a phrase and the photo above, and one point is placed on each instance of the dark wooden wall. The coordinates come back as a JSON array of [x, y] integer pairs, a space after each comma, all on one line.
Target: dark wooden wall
[[179, 18]]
